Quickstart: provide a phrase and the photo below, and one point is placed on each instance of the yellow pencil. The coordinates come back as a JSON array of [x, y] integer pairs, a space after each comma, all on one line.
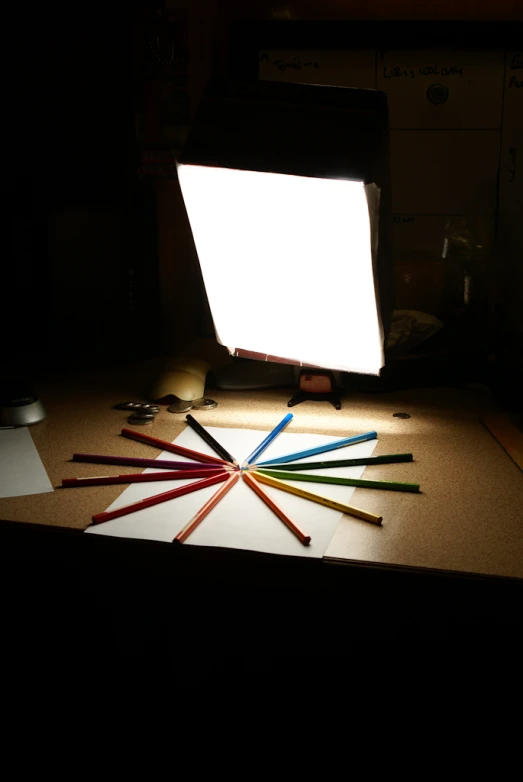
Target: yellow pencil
[[308, 495], [205, 509]]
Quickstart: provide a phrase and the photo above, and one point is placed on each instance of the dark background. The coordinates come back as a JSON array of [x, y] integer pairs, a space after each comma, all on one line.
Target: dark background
[[100, 266], [84, 283]]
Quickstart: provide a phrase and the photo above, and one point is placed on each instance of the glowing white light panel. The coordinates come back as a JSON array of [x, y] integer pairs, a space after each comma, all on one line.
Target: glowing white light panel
[[287, 265]]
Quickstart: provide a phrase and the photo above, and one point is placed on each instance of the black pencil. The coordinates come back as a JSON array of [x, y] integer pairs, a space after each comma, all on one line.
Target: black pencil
[[209, 439], [386, 459]]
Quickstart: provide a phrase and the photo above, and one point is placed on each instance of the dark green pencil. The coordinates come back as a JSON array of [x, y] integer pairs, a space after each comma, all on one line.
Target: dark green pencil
[[390, 485], [390, 458]]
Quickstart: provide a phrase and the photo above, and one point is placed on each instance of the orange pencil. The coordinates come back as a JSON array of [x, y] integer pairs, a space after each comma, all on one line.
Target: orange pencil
[[205, 509], [302, 537], [157, 498]]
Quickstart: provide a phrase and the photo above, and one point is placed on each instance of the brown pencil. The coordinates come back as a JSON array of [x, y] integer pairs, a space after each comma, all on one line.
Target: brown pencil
[[302, 537], [205, 509], [165, 445]]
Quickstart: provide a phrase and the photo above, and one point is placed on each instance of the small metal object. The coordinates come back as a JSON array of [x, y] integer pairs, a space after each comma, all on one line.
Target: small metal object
[[180, 406], [145, 406], [142, 414], [401, 415], [204, 403], [20, 409], [140, 421], [129, 405], [148, 408]]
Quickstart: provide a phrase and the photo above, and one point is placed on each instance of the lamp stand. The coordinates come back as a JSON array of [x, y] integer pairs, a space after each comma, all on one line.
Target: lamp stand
[[318, 386]]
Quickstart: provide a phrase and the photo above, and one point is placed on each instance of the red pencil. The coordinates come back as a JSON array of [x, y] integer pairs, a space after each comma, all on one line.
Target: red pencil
[[205, 509], [302, 537], [165, 445], [138, 477], [157, 498]]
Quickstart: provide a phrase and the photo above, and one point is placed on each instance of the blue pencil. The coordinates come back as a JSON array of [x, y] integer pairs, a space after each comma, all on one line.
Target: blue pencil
[[268, 440], [292, 457]]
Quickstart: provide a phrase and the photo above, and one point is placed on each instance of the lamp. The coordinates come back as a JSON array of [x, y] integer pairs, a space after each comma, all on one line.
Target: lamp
[[286, 188]]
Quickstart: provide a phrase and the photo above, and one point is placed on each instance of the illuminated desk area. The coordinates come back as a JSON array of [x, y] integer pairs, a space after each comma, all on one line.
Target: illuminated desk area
[[449, 557], [466, 519]]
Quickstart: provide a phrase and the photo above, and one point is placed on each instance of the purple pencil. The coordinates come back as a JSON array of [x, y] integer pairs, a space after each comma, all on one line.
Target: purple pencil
[[95, 458]]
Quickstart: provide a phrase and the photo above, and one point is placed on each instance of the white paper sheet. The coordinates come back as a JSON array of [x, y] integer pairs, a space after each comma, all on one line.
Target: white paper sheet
[[241, 519], [21, 469]]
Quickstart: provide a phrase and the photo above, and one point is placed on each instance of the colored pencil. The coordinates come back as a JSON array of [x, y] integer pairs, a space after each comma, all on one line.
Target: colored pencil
[[268, 440], [307, 495], [364, 484], [302, 537], [157, 498], [140, 477], [165, 445], [138, 461], [205, 509], [293, 457], [209, 439], [391, 458]]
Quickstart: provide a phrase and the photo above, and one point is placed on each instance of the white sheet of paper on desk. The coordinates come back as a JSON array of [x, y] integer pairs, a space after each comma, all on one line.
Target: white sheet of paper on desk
[[21, 469], [241, 519]]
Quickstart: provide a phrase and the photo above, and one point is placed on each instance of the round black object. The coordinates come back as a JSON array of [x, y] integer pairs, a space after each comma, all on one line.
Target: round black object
[[437, 93]]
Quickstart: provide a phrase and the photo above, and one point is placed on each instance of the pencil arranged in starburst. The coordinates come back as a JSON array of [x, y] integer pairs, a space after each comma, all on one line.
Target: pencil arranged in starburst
[[158, 498], [363, 484], [165, 445], [307, 495], [137, 461], [209, 439], [332, 446], [268, 440], [273, 505], [391, 458], [138, 477], [205, 509]]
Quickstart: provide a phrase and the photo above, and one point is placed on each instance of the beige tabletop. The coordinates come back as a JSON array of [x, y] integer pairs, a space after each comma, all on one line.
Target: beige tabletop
[[468, 517]]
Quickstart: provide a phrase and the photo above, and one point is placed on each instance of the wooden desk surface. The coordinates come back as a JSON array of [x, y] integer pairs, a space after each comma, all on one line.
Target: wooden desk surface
[[468, 518]]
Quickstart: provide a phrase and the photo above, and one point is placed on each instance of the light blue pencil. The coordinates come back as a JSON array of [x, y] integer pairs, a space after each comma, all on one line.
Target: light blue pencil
[[268, 440], [292, 457]]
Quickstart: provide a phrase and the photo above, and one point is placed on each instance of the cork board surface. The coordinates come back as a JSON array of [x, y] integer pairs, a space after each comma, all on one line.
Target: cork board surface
[[468, 518]]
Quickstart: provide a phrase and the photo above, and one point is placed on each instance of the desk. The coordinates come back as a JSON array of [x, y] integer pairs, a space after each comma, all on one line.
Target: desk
[[468, 519]]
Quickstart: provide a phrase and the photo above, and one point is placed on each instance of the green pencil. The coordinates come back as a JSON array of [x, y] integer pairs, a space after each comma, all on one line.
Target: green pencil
[[390, 485], [390, 458]]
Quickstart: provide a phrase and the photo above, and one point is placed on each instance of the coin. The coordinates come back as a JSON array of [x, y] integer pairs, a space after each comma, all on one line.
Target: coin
[[180, 406], [133, 419], [204, 403], [142, 414], [137, 406]]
